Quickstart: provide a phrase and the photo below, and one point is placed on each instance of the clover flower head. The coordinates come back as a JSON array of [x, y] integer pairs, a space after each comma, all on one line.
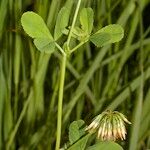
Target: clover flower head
[[110, 126]]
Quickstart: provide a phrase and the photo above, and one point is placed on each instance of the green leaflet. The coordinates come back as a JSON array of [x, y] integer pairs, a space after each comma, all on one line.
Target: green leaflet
[[76, 131], [76, 138], [86, 20], [44, 44], [105, 146], [100, 39], [81, 144], [107, 35], [61, 22], [36, 28]]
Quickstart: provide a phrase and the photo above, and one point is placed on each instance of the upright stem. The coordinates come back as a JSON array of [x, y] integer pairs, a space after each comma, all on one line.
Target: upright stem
[[62, 79], [60, 101]]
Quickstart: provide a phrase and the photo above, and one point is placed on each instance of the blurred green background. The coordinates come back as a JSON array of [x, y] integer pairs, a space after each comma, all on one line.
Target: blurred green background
[[115, 77]]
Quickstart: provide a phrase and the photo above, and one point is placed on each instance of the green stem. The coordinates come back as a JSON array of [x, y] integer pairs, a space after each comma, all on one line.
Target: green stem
[[60, 49], [60, 101], [79, 45], [73, 22], [62, 79]]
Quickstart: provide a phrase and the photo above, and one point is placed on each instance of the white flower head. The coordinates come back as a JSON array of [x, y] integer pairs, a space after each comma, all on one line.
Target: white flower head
[[110, 126]]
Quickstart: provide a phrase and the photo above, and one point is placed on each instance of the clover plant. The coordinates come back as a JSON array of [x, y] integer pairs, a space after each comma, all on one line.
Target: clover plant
[[45, 42]]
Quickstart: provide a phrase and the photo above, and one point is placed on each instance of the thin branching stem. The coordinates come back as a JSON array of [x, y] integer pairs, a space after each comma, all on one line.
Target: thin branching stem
[[78, 46], [60, 49]]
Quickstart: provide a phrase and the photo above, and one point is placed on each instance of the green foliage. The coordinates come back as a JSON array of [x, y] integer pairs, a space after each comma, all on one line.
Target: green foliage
[[35, 27], [100, 39], [105, 146], [76, 131], [80, 145], [76, 135], [44, 45], [61, 22], [107, 35], [86, 20]]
